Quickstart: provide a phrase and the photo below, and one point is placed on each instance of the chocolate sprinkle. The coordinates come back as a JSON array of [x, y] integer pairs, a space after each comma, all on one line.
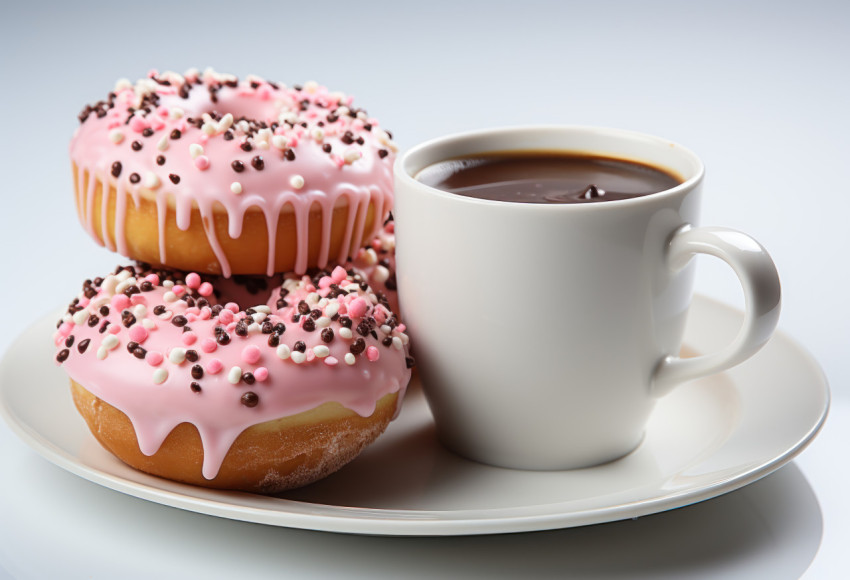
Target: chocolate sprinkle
[[175, 179], [134, 178], [196, 388], [327, 334], [250, 399], [116, 169], [83, 345], [258, 163], [248, 378], [238, 166], [358, 346], [63, 355], [197, 372]]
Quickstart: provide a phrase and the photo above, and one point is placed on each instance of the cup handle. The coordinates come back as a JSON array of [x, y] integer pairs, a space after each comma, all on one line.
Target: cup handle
[[762, 296]]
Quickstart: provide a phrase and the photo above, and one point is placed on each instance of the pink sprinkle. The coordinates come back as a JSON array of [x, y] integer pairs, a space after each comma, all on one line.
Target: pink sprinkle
[[205, 289], [138, 124], [154, 358], [401, 328], [120, 302], [178, 289], [251, 354], [214, 366], [339, 274], [114, 329], [358, 308], [232, 306], [225, 316], [390, 228], [193, 280], [380, 314], [189, 338], [202, 162], [230, 327], [331, 361], [372, 353], [138, 299], [338, 161], [311, 355], [65, 328], [205, 313], [261, 373], [376, 244], [157, 124], [208, 345], [193, 310], [191, 317], [325, 282], [138, 333], [83, 302], [153, 279]]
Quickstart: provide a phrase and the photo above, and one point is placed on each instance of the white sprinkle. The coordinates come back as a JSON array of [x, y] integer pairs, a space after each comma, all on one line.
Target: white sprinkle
[[168, 283], [318, 134], [259, 316], [123, 275], [349, 358], [195, 150], [122, 84], [283, 352], [67, 318], [322, 322], [101, 353], [116, 136], [109, 284], [381, 275], [163, 144], [80, 316], [209, 129], [298, 357], [140, 310], [313, 298], [225, 122], [236, 187], [296, 181], [385, 328], [166, 315], [110, 341], [345, 332], [311, 87], [370, 257], [149, 324], [177, 355], [397, 343], [321, 351], [279, 142], [176, 113], [332, 309], [169, 296], [124, 284], [151, 180], [264, 308], [254, 328], [234, 375], [351, 155], [342, 111], [160, 376]]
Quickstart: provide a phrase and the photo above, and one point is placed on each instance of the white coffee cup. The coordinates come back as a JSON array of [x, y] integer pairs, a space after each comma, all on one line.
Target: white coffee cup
[[544, 333]]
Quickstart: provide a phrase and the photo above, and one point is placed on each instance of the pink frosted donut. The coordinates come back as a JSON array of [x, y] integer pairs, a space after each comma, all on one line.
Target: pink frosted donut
[[204, 391], [207, 173]]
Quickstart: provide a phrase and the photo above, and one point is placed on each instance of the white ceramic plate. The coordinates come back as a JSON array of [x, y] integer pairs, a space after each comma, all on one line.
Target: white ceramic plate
[[707, 438]]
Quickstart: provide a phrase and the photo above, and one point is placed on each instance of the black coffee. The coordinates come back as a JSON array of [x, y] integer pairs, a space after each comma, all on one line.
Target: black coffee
[[546, 177]]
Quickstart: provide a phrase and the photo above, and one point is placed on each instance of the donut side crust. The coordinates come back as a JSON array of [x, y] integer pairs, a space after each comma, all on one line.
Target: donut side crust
[[191, 250], [266, 458]]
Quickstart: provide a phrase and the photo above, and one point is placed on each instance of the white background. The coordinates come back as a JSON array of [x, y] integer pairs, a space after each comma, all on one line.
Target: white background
[[760, 90]]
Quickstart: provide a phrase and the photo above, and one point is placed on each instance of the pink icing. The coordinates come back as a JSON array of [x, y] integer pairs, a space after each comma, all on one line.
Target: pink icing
[[154, 386], [294, 172]]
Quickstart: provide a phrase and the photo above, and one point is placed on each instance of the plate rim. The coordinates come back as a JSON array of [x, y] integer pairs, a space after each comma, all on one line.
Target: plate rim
[[387, 522]]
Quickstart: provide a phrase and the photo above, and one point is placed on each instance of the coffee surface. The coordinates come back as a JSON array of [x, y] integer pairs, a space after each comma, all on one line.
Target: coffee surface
[[546, 177]]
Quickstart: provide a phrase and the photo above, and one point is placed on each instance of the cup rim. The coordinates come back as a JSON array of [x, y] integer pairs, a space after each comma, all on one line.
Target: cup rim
[[403, 172]]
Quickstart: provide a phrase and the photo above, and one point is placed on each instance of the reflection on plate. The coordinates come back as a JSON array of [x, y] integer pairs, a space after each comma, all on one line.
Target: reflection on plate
[[707, 438]]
